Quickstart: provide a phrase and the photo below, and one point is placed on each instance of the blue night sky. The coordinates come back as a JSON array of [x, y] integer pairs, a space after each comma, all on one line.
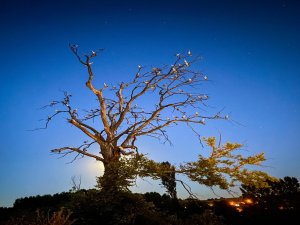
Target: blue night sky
[[250, 50]]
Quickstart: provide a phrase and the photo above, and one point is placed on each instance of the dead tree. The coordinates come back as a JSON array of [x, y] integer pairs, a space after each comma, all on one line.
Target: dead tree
[[122, 119]]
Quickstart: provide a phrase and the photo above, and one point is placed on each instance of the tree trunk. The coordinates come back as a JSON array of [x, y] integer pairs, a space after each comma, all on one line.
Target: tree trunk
[[110, 181]]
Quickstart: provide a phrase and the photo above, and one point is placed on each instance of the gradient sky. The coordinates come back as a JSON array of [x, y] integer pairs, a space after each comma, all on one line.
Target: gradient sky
[[251, 53]]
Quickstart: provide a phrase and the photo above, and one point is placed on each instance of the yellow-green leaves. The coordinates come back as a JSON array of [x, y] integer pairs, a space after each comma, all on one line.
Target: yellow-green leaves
[[225, 167]]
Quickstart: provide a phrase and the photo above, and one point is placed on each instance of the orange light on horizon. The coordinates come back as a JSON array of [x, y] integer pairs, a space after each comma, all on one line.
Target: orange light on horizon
[[232, 203], [248, 201]]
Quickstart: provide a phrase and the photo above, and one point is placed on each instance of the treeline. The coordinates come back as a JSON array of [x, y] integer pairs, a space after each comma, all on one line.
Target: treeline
[[279, 203], [89, 207]]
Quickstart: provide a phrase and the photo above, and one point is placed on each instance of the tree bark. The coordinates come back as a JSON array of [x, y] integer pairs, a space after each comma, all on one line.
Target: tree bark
[[109, 182]]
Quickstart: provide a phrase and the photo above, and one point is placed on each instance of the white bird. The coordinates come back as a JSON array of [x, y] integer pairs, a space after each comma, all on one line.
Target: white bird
[[184, 117], [178, 54], [94, 53], [137, 75], [146, 82], [226, 117], [186, 63], [105, 85], [205, 78], [202, 121], [205, 96], [139, 66], [174, 70], [168, 118], [189, 53], [190, 80], [197, 113]]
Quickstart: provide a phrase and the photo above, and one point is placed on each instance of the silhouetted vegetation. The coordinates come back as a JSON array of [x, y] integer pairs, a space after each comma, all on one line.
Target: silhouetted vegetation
[[276, 204]]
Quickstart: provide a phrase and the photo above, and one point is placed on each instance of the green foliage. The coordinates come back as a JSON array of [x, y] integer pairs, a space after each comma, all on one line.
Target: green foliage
[[224, 167], [278, 190], [168, 179], [278, 203], [122, 174]]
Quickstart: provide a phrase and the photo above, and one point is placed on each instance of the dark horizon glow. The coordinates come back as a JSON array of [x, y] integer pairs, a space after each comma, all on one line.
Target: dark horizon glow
[[250, 50]]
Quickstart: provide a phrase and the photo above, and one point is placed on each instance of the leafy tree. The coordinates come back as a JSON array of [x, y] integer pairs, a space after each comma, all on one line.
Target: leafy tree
[[168, 179], [276, 203], [120, 119], [277, 193]]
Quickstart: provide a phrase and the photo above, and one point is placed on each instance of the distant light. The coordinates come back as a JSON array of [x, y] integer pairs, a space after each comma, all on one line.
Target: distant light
[[248, 201], [211, 204], [239, 209], [232, 203]]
